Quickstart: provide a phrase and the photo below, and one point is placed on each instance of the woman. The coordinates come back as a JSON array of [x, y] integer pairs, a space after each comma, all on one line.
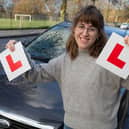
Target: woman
[[90, 93]]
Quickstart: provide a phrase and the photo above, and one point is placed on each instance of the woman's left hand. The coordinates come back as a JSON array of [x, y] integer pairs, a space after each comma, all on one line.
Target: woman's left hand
[[126, 39]]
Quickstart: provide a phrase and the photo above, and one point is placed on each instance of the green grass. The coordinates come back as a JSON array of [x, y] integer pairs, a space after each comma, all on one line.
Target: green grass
[[12, 24]]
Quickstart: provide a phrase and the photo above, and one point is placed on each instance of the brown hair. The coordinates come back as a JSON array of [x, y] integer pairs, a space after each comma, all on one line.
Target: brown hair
[[88, 14]]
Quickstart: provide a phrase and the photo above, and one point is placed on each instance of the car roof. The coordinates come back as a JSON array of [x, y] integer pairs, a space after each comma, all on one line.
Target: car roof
[[108, 29]]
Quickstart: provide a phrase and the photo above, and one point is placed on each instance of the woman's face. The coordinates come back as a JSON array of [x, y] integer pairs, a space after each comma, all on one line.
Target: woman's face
[[85, 35]]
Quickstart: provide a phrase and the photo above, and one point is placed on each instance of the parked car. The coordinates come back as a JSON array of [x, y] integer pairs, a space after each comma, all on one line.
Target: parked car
[[24, 105], [124, 26]]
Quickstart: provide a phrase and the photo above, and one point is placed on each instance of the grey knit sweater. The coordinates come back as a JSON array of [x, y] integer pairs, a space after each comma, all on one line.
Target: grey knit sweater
[[90, 93]]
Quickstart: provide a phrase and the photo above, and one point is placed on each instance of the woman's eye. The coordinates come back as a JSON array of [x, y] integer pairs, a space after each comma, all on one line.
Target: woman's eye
[[81, 26], [92, 29]]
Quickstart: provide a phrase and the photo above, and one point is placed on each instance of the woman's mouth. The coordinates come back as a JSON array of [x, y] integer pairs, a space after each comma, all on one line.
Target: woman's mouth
[[84, 39]]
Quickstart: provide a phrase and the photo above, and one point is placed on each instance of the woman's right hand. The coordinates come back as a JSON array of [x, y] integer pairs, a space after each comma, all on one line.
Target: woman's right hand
[[11, 45]]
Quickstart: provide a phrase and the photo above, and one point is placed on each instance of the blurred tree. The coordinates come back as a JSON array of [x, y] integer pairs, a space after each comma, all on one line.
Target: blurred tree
[[78, 4], [49, 9], [93, 2], [2, 11], [29, 7], [15, 1], [63, 13], [57, 8], [1, 2], [125, 13]]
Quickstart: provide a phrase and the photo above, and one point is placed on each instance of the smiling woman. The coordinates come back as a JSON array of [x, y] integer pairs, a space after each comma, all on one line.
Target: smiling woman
[[77, 73], [85, 35]]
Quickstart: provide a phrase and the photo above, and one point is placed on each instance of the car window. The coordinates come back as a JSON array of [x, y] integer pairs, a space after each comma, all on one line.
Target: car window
[[50, 44]]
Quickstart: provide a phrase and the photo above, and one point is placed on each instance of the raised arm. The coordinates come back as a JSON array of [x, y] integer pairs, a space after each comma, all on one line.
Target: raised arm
[[40, 72]]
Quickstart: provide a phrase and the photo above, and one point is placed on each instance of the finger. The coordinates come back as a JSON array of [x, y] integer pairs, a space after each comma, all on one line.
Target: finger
[[126, 39], [11, 45]]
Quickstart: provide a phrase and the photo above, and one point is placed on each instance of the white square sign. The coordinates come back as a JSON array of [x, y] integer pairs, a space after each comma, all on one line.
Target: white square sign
[[115, 56], [14, 63]]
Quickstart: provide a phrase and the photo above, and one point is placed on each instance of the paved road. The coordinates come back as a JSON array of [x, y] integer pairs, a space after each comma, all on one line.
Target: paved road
[[10, 33], [21, 35]]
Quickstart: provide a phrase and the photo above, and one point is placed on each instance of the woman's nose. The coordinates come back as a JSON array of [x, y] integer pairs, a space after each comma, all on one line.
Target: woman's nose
[[85, 31]]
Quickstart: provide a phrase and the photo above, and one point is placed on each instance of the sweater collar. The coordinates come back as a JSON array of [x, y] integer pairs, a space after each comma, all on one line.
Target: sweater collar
[[83, 51]]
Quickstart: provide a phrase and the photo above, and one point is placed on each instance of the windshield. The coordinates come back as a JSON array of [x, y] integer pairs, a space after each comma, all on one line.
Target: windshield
[[50, 44]]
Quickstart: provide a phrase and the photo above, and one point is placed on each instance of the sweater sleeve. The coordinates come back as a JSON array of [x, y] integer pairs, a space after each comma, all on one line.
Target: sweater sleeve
[[45, 72]]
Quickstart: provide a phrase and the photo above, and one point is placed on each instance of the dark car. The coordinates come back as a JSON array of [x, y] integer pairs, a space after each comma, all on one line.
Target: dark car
[[24, 105]]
